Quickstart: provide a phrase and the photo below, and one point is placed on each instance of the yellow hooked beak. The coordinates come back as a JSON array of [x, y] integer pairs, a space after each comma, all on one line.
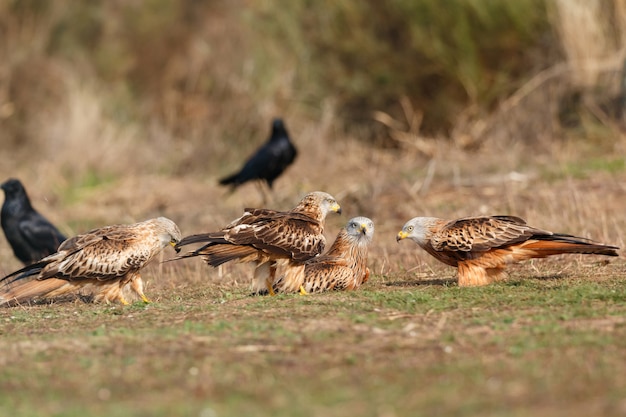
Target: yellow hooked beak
[[401, 235], [363, 228], [336, 208], [173, 243]]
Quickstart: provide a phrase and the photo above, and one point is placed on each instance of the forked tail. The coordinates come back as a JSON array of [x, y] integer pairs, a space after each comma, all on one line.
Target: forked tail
[[208, 238], [546, 245]]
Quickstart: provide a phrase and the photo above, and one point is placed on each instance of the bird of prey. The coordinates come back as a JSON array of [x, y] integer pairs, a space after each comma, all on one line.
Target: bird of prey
[[266, 236], [343, 267], [268, 162], [109, 258], [481, 247], [31, 236]]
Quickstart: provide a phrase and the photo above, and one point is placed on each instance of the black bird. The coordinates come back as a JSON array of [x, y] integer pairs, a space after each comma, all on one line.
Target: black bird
[[269, 161], [31, 236]]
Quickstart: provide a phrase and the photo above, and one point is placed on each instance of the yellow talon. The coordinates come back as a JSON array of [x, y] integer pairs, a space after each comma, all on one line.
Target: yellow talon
[[123, 301], [145, 299], [270, 288], [303, 291]]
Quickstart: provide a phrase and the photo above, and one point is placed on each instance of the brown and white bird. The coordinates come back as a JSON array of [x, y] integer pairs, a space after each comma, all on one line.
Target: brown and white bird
[[343, 267], [481, 247], [109, 258], [266, 236]]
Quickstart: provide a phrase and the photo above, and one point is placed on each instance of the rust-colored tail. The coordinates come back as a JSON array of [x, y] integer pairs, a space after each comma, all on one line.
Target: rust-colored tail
[[28, 290], [546, 245]]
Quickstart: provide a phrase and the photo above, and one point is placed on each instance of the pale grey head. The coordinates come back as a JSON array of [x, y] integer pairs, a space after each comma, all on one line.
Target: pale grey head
[[418, 229], [360, 227], [322, 200], [168, 231]]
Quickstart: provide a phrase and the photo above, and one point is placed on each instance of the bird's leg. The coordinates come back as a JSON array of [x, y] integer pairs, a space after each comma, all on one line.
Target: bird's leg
[[136, 283], [260, 283], [294, 278], [471, 274], [110, 292], [269, 282], [266, 192], [366, 276], [259, 185], [115, 293], [270, 287]]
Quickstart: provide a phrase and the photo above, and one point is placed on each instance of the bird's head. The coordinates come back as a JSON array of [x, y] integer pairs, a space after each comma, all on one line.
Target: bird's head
[[278, 130], [417, 229], [12, 186], [277, 123], [317, 205], [328, 204], [169, 233], [362, 227]]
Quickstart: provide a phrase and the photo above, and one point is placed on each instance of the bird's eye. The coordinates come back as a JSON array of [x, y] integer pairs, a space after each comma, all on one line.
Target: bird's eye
[[410, 228]]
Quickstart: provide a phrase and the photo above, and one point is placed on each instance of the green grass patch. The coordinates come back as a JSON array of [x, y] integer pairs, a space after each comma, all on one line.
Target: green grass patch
[[512, 348]]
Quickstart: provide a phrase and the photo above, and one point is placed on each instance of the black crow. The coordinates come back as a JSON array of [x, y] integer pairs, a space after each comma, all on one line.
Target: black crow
[[31, 236], [268, 162]]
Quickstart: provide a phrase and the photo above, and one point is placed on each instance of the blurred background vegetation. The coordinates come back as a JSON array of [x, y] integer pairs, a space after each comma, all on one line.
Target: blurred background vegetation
[[97, 89]]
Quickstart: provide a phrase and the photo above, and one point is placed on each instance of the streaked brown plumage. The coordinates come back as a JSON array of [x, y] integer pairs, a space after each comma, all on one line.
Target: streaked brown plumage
[[481, 247], [109, 258], [265, 236], [343, 267]]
